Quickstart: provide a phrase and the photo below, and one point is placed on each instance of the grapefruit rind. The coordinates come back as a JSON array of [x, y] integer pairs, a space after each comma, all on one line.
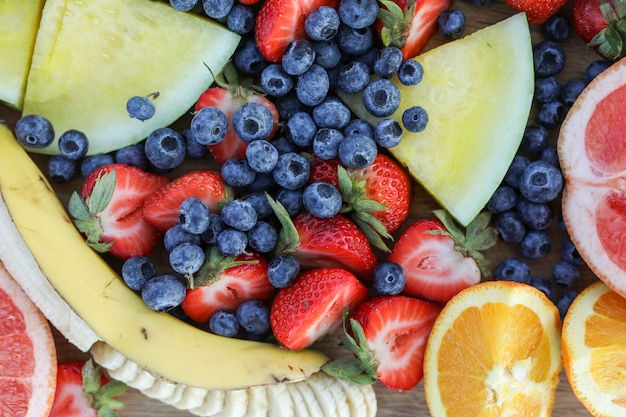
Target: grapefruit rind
[[591, 193], [91, 57], [478, 93]]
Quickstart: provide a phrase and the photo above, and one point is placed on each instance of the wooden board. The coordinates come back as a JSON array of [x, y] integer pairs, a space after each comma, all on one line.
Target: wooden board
[[392, 403]]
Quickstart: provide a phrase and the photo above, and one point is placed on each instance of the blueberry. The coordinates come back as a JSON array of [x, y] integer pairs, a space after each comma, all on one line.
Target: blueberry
[[262, 237], [513, 174], [275, 81], [550, 155], [283, 270], [569, 253], [415, 119], [193, 215], [291, 200], [359, 126], [217, 9], [298, 57], [312, 86], [163, 292], [184, 5], [253, 316], [133, 155], [552, 113], [536, 244], [61, 169], [301, 128], [326, 143], [209, 125], [73, 144], [542, 284], [503, 199], [224, 323], [216, 226], [571, 90], [284, 144], [93, 162], [595, 68], [547, 89], [512, 269], [322, 23], [165, 148], [327, 54], [564, 300], [239, 214], [232, 242], [261, 155], [368, 57], [292, 171], [451, 23], [565, 274], [253, 121], [248, 59], [388, 133], [140, 107], [237, 172], [537, 216], [289, 104], [176, 235], [548, 58], [358, 14], [411, 72], [186, 258], [322, 199], [540, 182], [241, 19], [136, 270], [332, 113], [353, 77], [557, 27], [510, 226], [381, 98], [193, 149], [34, 131], [261, 204], [263, 181], [388, 278], [535, 138], [354, 41], [388, 62], [357, 151]]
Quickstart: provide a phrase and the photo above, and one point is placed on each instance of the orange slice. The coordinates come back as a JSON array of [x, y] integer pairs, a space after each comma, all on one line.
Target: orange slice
[[594, 350], [494, 351], [28, 361]]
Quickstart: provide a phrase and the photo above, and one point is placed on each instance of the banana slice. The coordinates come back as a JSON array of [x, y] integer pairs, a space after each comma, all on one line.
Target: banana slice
[[258, 403], [280, 404], [310, 399], [300, 408], [357, 400], [212, 405]]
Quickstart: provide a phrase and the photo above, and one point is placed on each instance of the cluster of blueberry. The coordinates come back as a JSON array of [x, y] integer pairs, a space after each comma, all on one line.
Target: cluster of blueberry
[[523, 205]]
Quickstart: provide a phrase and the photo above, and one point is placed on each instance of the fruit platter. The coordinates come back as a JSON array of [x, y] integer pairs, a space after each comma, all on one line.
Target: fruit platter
[[491, 172]]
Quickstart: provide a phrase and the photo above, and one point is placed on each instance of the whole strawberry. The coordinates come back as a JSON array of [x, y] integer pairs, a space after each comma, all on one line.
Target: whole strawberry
[[537, 11], [600, 24]]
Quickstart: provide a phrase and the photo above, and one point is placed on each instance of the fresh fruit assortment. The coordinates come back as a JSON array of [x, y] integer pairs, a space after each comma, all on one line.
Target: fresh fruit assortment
[[284, 233]]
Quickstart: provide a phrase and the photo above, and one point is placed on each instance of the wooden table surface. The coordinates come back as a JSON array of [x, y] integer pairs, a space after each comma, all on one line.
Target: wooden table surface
[[408, 403]]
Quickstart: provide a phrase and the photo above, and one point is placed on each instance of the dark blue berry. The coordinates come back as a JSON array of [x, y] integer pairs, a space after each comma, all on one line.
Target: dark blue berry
[[73, 144], [327, 54], [388, 62], [261, 204], [232, 242], [184, 5], [34, 131], [283, 270], [176, 235], [564, 300], [253, 121], [301, 128], [552, 113], [381, 98], [358, 14], [239, 214], [357, 151], [388, 133], [136, 270], [165, 148], [570, 254], [513, 269], [217, 9], [536, 244], [322, 199], [61, 169], [216, 226], [537, 216], [237, 172], [193, 215], [261, 155], [542, 284], [275, 81], [209, 125], [291, 200], [93, 162], [354, 41], [548, 58], [550, 155], [224, 323], [194, 150], [571, 90], [253, 316], [451, 23], [313, 86], [540, 182], [292, 171], [535, 138], [353, 77], [547, 89], [133, 155], [326, 143], [359, 126], [298, 57], [186, 258], [595, 68], [503, 199], [565, 274], [248, 59], [557, 27], [411, 72], [415, 119], [510, 226], [332, 113], [322, 23], [284, 144], [388, 278], [140, 107], [513, 174], [163, 292], [262, 237], [240, 19]]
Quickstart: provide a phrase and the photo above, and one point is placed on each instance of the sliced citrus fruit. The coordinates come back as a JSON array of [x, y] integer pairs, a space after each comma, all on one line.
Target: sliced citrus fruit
[[19, 21], [592, 154], [478, 92], [494, 351], [92, 56], [594, 350], [28, 361]]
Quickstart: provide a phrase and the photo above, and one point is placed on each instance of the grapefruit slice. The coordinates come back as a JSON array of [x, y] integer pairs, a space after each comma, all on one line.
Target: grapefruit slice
[[28, 361], [478, 92], [90, 57], [592, 154], [19, 21]]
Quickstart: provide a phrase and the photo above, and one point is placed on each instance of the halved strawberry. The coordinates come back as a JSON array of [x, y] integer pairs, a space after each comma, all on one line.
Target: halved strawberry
[[388, 336], [160, 208], [108, 210], [438, 259], [409, 24], [280, 22], [314, 305], [224, 282]]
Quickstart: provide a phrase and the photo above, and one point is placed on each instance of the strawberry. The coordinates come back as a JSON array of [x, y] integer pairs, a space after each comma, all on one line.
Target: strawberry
[[388, 335], [376, 198], [108, 210], [324, 242], [438, 259], [280, 22], [160, 208], [224, 282], [409, 24], [314, 305], [537, 11], [600, 24], [229, 96], [84, 391]]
